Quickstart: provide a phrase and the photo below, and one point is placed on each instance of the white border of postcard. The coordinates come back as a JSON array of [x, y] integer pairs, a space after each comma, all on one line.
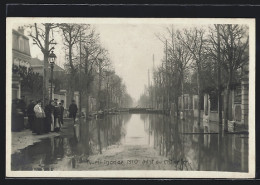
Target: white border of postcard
[[134, 173]]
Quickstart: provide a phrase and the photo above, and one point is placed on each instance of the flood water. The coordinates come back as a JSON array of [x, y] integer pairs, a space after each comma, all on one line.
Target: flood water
[[137, 141]]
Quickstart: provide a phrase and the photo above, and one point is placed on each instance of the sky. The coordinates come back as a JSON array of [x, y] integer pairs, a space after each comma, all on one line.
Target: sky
[[131, 48]]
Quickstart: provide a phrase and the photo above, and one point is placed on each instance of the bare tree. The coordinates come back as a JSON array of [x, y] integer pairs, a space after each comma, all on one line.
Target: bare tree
[[194, 40], [181, 56], [71, 36], [92, 51], [214, 51], [234, 45], [40, 33], [103, 64]]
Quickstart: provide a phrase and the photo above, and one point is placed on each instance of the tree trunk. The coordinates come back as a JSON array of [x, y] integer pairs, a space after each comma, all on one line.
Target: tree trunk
[[72, 85], [182, 93], [219, 102], [99, 85], [87, 137], [199, 95], [219, 77], [87, 104], [99, 139], [176, 105], [226, 107], [73, 73], [46, 65]]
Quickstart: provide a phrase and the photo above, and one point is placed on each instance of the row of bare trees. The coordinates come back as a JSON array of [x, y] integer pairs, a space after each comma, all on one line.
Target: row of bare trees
[[88, 67], [200, 59]]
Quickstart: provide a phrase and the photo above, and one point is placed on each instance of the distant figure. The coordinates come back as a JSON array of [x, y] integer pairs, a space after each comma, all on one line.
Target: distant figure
[[55, 102], [49, 120], [73, 109], [57, 113], [30, 114], [61, 111], [40, 117]]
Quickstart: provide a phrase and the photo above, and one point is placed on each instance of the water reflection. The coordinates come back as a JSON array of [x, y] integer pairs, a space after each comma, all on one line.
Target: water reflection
[[186, 144]]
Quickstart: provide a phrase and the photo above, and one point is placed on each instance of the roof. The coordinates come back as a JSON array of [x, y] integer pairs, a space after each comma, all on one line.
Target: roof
[[20, 34], [35, 62]]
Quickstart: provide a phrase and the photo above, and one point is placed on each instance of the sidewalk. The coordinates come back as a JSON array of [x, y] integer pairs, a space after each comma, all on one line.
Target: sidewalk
[[21, 140]]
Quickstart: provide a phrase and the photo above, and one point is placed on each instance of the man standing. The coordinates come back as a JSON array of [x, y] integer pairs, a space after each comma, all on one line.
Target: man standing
[[56, 101], [62, 111], [73, 109], [49, 120], [57, 113], [30, 114]]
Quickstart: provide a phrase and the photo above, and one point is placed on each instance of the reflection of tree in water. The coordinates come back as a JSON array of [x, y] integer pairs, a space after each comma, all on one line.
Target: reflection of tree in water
[[169, 140], [144, 117], [80, 144], [96, 135], [126, 117], [39, 156]]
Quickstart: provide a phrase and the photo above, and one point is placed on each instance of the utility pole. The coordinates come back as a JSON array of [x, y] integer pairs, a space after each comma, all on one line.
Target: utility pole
[[163, 86], [99, 82], [80, 88], [153, 92], [167, 77], [149, 93]]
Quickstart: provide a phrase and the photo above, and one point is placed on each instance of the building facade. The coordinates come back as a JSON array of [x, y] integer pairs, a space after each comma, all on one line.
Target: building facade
[[21, 56]]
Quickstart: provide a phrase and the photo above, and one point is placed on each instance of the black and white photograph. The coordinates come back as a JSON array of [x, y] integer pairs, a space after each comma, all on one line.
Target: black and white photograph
[[130, 97]]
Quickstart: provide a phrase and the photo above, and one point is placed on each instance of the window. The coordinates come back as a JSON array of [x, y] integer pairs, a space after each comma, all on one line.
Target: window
[[21, 44], [237, 93]]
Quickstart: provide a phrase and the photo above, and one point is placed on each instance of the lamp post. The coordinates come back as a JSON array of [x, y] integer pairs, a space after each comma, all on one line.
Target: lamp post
[[52, 58]]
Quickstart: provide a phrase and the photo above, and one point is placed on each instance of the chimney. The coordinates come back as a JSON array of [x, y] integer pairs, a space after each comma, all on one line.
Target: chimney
[[21, 29]]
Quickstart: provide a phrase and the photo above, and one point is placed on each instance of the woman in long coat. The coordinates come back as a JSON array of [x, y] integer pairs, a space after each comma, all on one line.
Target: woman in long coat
[[17, 116], [49, 120], [40, 116]]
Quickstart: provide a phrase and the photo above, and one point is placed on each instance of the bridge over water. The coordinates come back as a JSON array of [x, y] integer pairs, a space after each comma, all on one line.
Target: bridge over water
[[142, 110]]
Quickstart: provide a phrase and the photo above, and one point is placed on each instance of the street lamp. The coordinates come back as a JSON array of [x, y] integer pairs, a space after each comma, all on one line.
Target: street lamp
[[52, 58]]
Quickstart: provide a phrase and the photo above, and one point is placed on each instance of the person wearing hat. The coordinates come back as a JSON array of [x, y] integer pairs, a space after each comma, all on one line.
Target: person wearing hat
[[49, 119], [73, 109], [57, 113], [55, 102], [40, 115]]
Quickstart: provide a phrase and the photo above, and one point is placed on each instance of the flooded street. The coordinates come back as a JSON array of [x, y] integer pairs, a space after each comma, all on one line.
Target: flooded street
[[137, 142]]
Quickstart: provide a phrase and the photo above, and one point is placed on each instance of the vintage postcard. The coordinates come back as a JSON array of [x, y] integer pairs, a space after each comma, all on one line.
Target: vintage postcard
[[130, 97]]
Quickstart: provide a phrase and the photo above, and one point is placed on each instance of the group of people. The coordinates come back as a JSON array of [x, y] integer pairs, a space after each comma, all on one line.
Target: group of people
[[48, 119], [41, 119]]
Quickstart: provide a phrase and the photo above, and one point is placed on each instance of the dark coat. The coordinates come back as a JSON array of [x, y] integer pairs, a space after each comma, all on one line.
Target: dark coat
[[30, 111], [62, 110], [17, 117], [49, 109], [22, 105], [73, 109], [57, 111]]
